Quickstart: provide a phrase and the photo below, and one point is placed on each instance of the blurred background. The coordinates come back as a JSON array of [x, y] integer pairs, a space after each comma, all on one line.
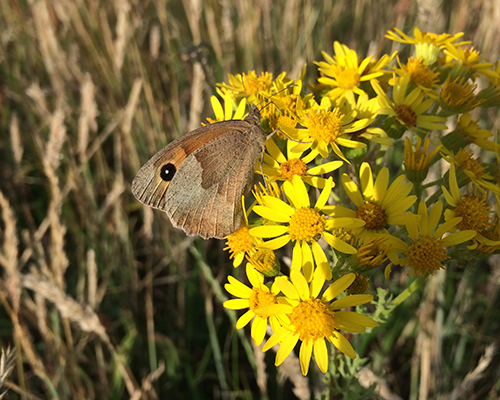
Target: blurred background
[[101, 297]]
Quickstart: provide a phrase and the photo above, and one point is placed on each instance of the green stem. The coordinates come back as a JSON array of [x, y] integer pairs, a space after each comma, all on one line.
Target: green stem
[[405, 294]]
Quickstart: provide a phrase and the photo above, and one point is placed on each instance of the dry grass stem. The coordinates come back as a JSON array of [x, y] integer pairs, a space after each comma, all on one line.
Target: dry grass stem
[[52, 54], [84, 317], [147, 384], [466, 387], [260, 363], [196, 96], [9, 254], [367, 378], [57, 136], [290, 369], [88, 114], [122, 33], [91, 279], [154, 42], [15, 140], [6, 366], [35, 92]]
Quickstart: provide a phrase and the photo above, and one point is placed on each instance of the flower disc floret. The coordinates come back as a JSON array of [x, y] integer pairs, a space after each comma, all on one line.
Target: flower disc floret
[[260, 298], [373, 215], [426, 255], [406, 115], [306, 224], [313, 320], [293, 166], [325, 126]]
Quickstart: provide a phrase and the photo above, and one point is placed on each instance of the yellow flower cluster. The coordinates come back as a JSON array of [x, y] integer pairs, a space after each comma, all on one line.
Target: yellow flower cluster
[[327, 193]]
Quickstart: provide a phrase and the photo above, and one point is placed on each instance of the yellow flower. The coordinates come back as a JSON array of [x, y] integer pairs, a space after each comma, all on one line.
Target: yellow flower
[[427, 44], [469, 131], [282, 107], [417, 161], [472, 208], [300, 223], [366, 110], [241, 242], [278, 167], [427, 251], [472, 168], [313, 320], [345, 72], [467, 61], [324, 128], [373, 254], [254, 298], [226, 113], [492, 233], [376, 204], [361, 285], [458, 96], [248, 85], [409, 109], [421, 75], [264, 261]]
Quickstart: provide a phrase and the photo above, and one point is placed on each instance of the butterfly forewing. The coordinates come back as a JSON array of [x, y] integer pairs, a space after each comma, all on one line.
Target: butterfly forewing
[[199, 178]]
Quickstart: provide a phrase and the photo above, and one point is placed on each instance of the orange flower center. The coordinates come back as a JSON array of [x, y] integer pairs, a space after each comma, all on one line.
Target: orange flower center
[[406, 115], [426, 255], [325, 126], [292, 167], [306, 224], [313, 320], [373, 215]]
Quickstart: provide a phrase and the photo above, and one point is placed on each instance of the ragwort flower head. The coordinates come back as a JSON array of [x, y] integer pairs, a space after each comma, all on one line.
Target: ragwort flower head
[[377, 203], [278, 167], [408, 109], [346, 73], [472, 208], [300, 223], [427, 252], [458, 96], [467, 62], [240, 243], [315, 321], [258, 296], [365, 111], [421, 75], [248, 85], [226, 113], [471, 169], [427, 44], [326, 127]]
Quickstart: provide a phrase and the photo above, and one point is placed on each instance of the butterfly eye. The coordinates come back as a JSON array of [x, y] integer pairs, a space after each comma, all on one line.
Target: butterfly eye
[[167, 172]]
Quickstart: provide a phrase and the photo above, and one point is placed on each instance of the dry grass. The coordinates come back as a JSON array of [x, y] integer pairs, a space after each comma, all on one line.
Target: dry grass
[[101, 298]]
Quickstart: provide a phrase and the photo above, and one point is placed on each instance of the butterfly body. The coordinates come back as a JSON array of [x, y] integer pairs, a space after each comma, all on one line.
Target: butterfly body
[[199, 178]]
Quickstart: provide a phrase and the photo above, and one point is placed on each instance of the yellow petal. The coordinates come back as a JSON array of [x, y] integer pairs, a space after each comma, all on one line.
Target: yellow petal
[[338, 287], [275, 243], [286, 348], [305, 356], [351, 301], [244, 319], [321, 355], [236, 304], [268, 231]]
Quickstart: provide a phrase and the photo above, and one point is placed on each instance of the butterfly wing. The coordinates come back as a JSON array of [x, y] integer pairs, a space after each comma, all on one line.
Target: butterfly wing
[[204, 197], [151, 182], [205, 171]]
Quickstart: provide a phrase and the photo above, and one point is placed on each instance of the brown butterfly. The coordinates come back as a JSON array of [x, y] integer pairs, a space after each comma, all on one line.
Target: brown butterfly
[[199, 178]]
